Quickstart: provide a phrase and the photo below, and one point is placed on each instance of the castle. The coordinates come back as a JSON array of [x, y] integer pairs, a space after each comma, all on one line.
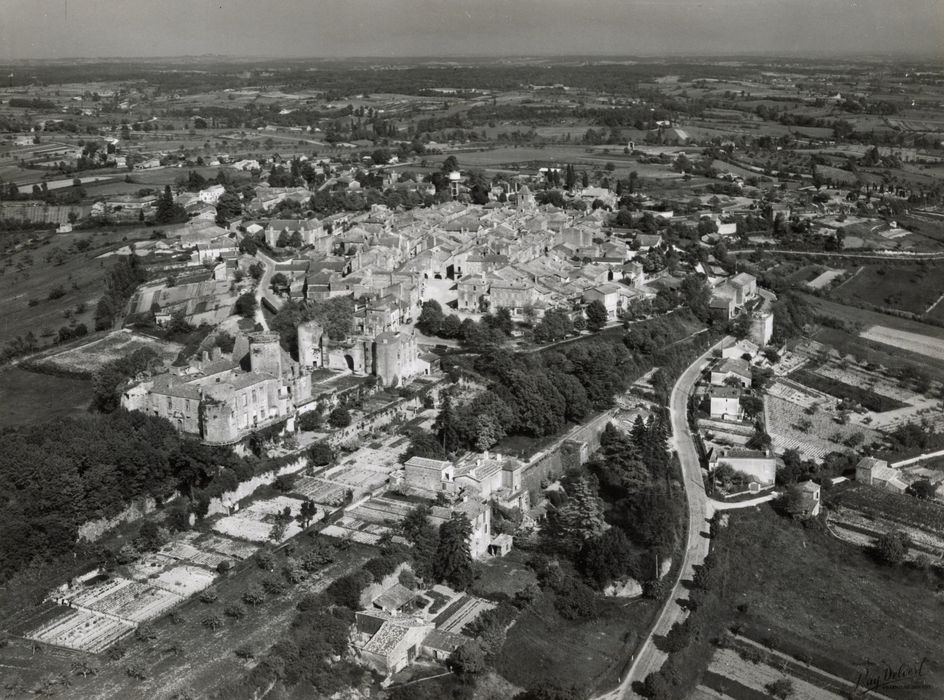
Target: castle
[[390, 355], [222, 400], [218, 400]]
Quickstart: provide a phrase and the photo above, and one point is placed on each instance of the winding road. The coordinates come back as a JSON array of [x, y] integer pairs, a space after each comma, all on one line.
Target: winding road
[[700, 509]]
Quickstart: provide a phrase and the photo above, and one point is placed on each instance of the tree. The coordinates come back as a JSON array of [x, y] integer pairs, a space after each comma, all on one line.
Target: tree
[[310, 420], [892, 547], [468, 659], [580, 517], [596, 315], [339, 418], [167, 211], [431, 318], [308, 513], [248, 245], [555, 325], [607, 557], [228, 207], [453, 563], [279, 283], [780, 689], [320, 454], [451, 326], [923, 489], [246, 305]]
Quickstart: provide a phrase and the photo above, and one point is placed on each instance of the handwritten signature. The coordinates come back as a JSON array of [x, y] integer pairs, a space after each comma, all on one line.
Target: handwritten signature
[[875, 678]]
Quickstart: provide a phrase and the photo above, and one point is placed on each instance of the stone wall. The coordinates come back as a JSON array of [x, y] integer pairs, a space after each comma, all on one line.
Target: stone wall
[[94, 529], [571, 450], [222, 503]]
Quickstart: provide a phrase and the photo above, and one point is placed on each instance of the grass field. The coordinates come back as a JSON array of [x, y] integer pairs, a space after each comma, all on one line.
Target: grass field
[[790, 586], [913, 288], [903, 340], [32, 274], [865, 317], [542, 646], [36, 398]]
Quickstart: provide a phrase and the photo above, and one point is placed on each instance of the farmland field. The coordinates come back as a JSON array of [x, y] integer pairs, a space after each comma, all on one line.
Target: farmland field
[[185, 658], [91, 356], [913, 289], [26, 397], [912, 342], [869, 399], [905, 509], [866, 317], [798, 589], [542, 646], [29, 282]]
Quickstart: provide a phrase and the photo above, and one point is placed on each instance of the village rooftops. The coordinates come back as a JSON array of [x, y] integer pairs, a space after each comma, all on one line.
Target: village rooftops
[[426, 463], [394, 598], [734, 365]]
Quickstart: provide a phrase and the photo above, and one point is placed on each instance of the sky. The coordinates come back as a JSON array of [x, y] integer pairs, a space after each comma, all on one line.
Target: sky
[[45, 29]]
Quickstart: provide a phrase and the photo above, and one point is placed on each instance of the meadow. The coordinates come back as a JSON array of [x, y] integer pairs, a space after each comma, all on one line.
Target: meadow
[[26, 397]]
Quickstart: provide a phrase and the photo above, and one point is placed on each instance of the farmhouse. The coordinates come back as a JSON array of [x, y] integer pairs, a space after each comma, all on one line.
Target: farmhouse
[[876, 472], [429, 476], [724, 402], [388, 643], [734, 368], [741, 288], [808, 504]]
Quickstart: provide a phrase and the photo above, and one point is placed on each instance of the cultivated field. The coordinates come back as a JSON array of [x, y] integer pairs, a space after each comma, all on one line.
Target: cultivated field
[[47, 283], [912, 342], [913, 289], [90, 357], [801, 591]]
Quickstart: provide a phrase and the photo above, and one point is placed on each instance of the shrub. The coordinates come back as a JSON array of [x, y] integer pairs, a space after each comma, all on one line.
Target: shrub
[[235, 611], [213, 621], [274, 586], [347, 590], [339, 418], [265, 560], [209, 596], [781, 688], [254, 596], [309, 421]]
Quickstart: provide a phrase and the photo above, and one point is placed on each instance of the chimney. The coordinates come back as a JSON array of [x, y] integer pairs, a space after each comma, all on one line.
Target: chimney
[[206, 356], [216, 353]]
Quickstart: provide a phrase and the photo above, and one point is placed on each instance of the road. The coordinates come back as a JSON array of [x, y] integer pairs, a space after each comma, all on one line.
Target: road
[[264, 291], [648, 658], [874, 255]]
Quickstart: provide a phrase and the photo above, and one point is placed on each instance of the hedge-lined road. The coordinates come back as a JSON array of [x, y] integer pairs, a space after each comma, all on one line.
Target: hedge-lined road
[[648, 658]]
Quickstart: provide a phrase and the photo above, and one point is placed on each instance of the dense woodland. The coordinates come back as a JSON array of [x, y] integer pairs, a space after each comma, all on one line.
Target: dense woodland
[[53, 478], [538, 394]]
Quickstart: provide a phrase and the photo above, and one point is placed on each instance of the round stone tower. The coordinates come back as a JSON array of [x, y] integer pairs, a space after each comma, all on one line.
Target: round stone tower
[[387, 358], [309, 344]]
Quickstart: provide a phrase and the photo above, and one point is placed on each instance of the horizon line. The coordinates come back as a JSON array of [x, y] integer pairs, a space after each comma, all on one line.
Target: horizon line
[[458, 57]]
